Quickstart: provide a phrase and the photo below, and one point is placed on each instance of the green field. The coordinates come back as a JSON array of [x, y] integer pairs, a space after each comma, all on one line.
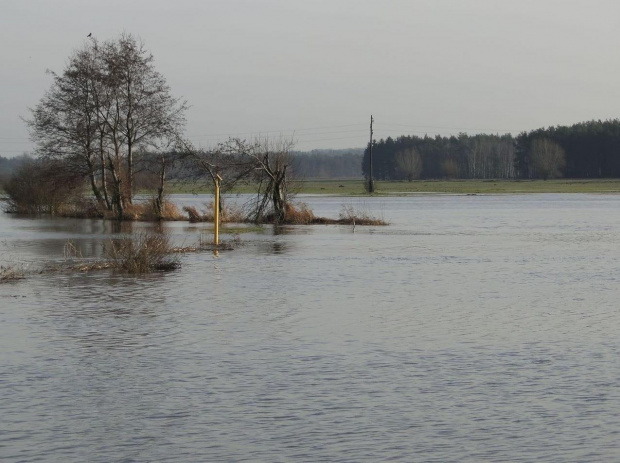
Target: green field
[[356, 187]]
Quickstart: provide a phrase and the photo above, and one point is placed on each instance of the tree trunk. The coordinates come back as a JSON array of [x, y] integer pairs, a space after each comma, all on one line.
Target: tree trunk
[[129, 170], [279, 198], [159, 202], [117, 195], [104, 183]]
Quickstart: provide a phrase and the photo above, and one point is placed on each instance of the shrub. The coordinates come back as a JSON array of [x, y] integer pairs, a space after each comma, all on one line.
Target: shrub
[[11, 273], [299, 215], [41, 186], [194, 215], [228, 214], [349, 215], [148, 211], [142, 253]]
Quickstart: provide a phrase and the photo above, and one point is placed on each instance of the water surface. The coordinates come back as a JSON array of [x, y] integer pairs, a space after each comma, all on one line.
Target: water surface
[[473, 328]]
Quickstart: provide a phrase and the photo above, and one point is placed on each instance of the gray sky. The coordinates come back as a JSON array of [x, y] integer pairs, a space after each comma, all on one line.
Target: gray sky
[[317, 69]]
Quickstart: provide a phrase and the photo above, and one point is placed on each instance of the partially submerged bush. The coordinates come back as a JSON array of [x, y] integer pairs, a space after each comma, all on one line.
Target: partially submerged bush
[[194, 215], [150, 212], [349, 215], [300, 215], [82, 208], [142, 253], [41, 187], [11, 273], [228, 214]]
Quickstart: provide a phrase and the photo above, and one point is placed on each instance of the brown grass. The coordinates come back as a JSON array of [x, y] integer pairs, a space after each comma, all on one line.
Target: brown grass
[[301, 215], [142, 211], [298, 215], [143, 253], [194, 215], [147, 211], [228, 214], [11, 273], [349, 215]]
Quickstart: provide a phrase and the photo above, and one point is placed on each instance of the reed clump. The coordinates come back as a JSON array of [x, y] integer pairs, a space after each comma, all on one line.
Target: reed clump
[[195, 216], [349, 215], [11, 273], [298, 214], [142, 253], [229, 214], [148, 211]]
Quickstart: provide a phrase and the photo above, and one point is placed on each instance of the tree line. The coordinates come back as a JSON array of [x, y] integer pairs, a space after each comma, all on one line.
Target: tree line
[[8, 166], [584, 150], [327, 164]]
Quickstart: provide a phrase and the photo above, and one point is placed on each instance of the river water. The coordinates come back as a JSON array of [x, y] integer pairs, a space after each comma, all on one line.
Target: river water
[[471, 329]]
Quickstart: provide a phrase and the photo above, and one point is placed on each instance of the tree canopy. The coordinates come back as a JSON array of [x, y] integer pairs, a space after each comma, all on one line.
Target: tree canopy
[[107, 105]]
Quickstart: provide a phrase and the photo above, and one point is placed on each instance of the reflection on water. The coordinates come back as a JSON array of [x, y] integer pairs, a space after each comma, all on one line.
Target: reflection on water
[[471, 329]]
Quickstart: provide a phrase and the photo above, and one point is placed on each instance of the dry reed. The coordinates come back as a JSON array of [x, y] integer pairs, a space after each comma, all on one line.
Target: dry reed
[[11, 273], [142, 253]]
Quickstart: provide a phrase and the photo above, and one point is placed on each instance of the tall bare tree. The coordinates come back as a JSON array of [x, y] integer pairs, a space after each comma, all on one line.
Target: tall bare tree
[[270, 160], [263, 162], [144, 112], [109, 102], [63, 124], [408, 164], [547, 158]]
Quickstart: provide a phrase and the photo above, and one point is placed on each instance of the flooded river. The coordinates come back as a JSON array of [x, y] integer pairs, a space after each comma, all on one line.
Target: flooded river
[[471, 329]]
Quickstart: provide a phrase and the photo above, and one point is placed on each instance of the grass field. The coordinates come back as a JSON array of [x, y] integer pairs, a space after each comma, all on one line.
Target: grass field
[[356, 187]]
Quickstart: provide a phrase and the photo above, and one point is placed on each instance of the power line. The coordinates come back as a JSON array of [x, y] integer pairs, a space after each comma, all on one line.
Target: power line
[[450, 128], [304, 134], [264, 132]]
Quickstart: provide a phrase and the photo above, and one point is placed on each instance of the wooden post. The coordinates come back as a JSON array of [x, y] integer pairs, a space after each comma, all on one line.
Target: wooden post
[[216, 211]]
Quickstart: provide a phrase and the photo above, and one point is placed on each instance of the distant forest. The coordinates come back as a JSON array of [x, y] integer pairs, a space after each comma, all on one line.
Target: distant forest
[[336, 164], [584, 150], [8, 166]]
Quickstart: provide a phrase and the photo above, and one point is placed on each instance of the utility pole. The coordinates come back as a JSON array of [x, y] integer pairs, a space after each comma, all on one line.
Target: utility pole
[[371, 182]]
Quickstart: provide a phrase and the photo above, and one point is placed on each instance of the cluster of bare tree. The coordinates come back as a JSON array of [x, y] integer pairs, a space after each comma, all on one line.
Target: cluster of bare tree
[[110, 118], [107, 107], [264, 163]]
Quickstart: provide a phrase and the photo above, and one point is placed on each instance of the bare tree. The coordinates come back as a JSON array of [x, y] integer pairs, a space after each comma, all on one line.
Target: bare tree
[[109, 102], [40, 186], [548, 158], [270, 161], [144, 112], [263, 162], [409, 164], [63, 124]]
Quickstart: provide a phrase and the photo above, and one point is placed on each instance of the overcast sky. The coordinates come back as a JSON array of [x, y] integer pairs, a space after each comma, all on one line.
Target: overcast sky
[[317, 69]]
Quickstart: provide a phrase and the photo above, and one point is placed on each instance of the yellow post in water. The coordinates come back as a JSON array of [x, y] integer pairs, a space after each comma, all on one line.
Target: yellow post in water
[[216, 211]]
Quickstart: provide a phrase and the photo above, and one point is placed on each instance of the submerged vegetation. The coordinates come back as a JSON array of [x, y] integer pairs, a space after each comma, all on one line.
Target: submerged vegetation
[[142, 253], [11, 273]]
